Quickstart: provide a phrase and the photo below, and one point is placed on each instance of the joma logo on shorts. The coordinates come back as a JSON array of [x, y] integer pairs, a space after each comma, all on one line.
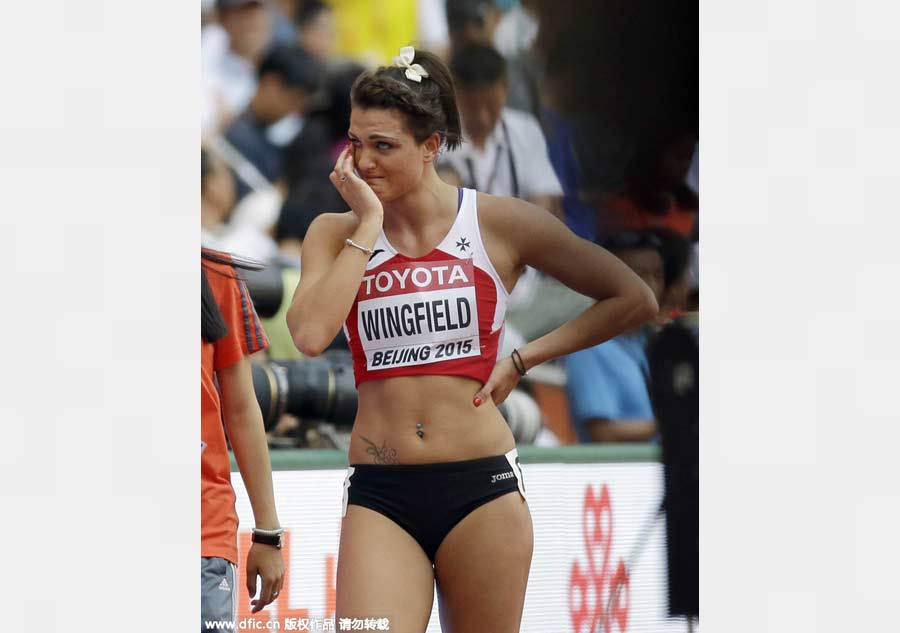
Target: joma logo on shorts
[[496, 478]]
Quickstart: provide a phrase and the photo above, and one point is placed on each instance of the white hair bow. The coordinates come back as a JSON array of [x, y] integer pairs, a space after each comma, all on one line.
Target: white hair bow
[[415, 72]]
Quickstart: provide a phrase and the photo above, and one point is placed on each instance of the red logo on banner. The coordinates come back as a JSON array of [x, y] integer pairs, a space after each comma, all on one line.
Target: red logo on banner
[[598, 597]]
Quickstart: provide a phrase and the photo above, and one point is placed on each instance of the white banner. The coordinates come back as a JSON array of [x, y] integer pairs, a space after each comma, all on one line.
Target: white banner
[[589, 522]]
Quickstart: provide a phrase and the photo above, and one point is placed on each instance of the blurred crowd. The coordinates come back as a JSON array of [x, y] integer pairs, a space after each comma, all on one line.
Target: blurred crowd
[[586, 108]]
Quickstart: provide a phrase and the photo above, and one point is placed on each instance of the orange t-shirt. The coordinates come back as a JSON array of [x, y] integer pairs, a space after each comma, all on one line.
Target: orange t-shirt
[[621, 214], [218, 518]]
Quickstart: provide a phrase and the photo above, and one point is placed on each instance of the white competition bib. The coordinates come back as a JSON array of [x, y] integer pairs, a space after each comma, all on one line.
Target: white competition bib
[[416, 313]]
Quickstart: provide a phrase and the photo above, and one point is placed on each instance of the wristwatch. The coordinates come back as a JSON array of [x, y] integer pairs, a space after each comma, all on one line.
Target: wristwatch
[[267, 537]]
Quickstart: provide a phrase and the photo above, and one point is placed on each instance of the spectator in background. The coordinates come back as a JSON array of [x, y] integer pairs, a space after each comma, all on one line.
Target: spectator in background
[[217, 196], [313, 153], [621, 73], [219, 228], [505, 153], [476, 22], [588, 146], [655, 192], [562, 136], [310, 200], [471, 21], [317, 30], [607, 383], [288, 76], [284, 16], [551, 303], [299, 210], [311, 156], [517, 29], [233, 75], [431, 27], [676, 252], [213, 46], [333, 112]]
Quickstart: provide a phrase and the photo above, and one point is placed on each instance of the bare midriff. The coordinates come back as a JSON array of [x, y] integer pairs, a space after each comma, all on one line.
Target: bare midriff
[[425, 420]]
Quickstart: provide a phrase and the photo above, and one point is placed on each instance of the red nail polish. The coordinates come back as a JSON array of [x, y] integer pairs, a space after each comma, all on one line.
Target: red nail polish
[[477, 401]]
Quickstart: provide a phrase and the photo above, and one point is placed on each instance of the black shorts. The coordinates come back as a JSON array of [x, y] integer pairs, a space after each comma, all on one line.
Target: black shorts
[[428, 500]]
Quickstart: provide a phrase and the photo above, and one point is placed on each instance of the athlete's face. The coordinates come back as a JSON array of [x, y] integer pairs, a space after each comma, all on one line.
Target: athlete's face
[[385, 152]]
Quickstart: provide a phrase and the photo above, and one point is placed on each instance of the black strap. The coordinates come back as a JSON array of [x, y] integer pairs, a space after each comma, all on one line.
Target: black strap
[[266, 539], [470, 166], [512, 161]]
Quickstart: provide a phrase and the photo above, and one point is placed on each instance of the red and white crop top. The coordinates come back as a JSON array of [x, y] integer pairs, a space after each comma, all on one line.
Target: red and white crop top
[[438, 314]]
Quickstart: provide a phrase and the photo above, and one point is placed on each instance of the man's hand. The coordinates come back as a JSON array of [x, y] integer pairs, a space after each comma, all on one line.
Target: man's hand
[[266, 562]]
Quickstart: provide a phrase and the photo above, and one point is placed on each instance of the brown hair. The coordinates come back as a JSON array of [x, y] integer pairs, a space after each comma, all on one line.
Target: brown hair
[[429, 105]]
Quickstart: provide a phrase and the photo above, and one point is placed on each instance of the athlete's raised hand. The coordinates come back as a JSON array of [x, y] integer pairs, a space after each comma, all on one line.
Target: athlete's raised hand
[[354, 190], [502, 380]]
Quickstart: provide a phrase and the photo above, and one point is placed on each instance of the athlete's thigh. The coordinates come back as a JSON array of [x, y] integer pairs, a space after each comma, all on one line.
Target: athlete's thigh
[[382, 573], [482, 568]]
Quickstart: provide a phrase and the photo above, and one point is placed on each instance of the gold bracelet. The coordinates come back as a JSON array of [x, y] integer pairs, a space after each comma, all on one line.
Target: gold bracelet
[[349, 242]]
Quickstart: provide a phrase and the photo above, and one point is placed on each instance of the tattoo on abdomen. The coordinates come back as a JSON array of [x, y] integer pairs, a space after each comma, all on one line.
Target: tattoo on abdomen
[[383, 455]]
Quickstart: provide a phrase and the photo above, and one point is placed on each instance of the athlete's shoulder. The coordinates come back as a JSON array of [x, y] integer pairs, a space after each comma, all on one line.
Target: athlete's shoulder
[[519, 227], [503, 211]]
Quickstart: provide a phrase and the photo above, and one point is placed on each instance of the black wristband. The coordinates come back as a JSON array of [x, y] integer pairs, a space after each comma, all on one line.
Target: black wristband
[[266, 537], [518, 362]]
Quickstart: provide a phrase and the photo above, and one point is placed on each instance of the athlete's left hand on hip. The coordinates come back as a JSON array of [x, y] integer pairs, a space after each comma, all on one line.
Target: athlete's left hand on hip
[[503, 379]]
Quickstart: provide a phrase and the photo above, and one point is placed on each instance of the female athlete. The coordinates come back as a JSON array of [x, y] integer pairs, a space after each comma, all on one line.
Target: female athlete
[[418, 274]]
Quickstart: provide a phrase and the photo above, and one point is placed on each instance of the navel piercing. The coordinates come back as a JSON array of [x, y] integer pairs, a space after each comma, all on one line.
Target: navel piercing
[[419, 431]]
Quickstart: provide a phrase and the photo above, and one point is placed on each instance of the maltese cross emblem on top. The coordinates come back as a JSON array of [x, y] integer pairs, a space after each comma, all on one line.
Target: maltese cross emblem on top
[[463, 244]]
